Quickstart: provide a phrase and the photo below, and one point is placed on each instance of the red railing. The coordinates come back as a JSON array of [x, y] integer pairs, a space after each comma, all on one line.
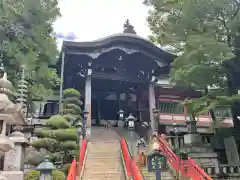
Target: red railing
[[132, 169], [136, 172], [82, 154], [187, 168], [74, 170]]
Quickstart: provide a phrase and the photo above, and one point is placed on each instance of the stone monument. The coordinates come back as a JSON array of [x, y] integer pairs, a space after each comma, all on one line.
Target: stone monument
[[14, 159], [10, 113], [203, 154]]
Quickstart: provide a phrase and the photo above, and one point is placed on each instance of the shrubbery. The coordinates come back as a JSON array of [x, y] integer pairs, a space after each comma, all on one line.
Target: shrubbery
[[34, 175]]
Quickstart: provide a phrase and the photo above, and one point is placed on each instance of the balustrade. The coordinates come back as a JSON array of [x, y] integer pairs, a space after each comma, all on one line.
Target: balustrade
[[178, 141], [224, 171]]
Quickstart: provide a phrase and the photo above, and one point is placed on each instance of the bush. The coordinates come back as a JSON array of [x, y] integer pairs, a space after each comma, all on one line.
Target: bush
[[58, 122], [71, 93], [34, 175], [35, 158], [66, 167]]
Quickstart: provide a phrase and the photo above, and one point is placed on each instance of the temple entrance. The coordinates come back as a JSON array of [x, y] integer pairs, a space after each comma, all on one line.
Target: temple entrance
[[109, 96], [117, 72]]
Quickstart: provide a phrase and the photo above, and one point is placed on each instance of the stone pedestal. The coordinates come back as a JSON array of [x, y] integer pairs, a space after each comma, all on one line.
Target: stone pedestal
[[202, 154], [192, 139], [121, 124], [14, 159]]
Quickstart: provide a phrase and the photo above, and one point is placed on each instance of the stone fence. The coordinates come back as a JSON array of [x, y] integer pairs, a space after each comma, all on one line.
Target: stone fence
[[225, 172]]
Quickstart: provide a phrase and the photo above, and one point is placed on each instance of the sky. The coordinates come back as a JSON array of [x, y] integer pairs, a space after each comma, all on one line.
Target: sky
[[93, 19]]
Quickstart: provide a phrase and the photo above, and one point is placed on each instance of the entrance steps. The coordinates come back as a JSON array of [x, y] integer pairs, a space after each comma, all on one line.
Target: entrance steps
[[103, 160], [166, 175], [151, 175]]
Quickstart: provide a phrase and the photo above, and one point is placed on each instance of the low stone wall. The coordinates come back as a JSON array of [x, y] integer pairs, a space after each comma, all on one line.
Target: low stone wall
[[225, 172]]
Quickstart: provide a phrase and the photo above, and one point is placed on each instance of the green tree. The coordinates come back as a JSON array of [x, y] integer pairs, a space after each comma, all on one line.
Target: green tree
[[204, 35], [58, 140], [26, 38], [72, 106], [128, 27]]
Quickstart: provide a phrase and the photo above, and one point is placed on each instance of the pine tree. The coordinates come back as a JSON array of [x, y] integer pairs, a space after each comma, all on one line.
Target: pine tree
[[58, 140], [26, 39], [128, 27], [205, 36], [72, 106]]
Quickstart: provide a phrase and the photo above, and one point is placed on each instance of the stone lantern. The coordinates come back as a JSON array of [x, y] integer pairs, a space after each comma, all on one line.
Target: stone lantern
[[121, 119], [46, 167], [14, 159], [10, 113], [131, 121]]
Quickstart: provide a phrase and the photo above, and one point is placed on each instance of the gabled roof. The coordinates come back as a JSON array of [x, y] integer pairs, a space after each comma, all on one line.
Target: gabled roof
[[124, 39]]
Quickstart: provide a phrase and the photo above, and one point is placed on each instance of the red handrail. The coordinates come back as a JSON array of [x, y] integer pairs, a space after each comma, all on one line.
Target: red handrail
[[188, 168], [132, 169], [126, 156], [82, 154], [72, 171], [136, 172]]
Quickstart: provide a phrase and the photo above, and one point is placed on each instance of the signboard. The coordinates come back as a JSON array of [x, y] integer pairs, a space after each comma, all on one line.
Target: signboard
[[156, 161]]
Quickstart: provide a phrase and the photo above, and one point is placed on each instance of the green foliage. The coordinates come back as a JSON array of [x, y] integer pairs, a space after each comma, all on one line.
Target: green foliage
[[46, 143], [69, 145], [34, 175], [66, 168], [128, 27], [66, 134], [57, 122], [72, 106], [205, 35], [26, 35], [58, 140], [34, 159], [71, 93]]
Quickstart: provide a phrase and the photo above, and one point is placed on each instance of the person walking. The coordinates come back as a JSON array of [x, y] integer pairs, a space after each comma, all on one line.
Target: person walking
[[142, 148]]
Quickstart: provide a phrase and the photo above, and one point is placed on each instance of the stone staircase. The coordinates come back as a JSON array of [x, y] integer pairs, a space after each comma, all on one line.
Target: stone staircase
[[103, 159], [151, 175]]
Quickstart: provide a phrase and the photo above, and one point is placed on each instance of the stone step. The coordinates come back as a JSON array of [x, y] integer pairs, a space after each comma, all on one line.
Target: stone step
[[152, 176], [103, 157], [107, 166], [108, 154]]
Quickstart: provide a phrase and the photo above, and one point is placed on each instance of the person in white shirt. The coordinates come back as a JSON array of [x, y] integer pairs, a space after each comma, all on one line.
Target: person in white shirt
[[155, 143], [142, 150]]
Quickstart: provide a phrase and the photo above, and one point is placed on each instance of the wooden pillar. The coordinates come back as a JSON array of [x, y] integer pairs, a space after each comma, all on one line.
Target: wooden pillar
[[98, 111], [118, 103], [185, 112], [152, 105], [88, 101], [61, 83], [137, 106], [139, 101]]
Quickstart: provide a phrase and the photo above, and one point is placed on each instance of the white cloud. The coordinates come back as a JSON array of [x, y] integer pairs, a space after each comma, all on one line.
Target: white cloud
[[94, 19]]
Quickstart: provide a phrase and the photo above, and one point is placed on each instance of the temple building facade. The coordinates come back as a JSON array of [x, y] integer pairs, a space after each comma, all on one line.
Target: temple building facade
[[125, 71]]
